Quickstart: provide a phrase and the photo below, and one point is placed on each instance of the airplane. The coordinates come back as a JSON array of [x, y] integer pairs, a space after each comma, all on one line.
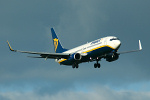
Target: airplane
[[106, 47]]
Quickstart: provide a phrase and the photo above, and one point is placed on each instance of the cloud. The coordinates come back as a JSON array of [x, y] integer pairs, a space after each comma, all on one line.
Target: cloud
[[95, 93]]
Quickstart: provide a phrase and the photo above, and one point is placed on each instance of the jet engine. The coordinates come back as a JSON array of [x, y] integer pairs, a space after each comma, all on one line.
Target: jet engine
[[112, 57], [77, 56]]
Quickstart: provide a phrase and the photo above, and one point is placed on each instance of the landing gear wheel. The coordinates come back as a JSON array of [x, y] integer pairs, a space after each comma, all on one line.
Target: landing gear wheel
[[97, 65], [75, 66]]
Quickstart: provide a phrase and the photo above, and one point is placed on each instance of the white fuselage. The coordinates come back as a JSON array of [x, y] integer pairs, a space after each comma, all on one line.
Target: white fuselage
[[110, 41]]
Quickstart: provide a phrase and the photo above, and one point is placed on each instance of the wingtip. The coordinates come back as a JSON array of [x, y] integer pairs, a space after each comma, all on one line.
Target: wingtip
[[140, 46], [10, 46]]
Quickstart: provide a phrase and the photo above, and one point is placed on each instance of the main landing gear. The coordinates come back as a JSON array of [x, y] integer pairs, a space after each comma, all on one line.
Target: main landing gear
[[75, 65], [97, 65]]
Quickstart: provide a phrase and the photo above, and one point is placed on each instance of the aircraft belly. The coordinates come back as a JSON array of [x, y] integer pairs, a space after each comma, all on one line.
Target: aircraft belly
[[66, 63], [95, 53], [99, 52]]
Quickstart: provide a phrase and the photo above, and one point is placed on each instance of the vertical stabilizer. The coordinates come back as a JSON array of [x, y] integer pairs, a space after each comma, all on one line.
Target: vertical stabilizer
[[57, 45]]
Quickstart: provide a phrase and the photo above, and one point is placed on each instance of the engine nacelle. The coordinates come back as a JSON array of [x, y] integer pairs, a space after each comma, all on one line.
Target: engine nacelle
[[112, 57], [77, 56]]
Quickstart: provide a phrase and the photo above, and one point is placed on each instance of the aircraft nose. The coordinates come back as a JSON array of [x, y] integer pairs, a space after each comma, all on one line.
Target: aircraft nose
[[118, 44]]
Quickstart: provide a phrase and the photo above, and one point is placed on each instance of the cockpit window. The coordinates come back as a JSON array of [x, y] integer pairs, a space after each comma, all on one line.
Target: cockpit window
[[114, 39]]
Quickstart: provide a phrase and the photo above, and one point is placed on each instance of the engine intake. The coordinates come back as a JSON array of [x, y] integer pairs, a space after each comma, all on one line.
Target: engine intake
[[112, 57], [77, 56]]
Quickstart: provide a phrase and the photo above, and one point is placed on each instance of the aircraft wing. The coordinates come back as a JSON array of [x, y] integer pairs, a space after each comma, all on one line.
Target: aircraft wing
[[140, 48], [43, 54]]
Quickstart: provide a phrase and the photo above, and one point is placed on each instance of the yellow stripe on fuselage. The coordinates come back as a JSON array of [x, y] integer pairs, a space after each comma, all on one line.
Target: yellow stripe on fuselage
[[98, 48], [62, 60]]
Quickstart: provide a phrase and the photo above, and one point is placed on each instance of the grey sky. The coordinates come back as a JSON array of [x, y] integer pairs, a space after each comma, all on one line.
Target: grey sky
[[26, 24]]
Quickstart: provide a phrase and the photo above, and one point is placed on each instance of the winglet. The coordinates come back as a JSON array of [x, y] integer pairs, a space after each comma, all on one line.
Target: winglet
[[140, 46], [10, 46]]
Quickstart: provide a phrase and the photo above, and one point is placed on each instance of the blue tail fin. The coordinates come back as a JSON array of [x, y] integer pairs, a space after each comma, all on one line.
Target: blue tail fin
[[57, 45]]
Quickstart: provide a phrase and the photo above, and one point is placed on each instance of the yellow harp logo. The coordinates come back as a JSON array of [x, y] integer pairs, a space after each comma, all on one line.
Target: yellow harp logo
[[55, 43]]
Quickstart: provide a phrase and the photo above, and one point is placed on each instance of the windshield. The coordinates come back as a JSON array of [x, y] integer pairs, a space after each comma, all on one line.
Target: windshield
[[114, 39]]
